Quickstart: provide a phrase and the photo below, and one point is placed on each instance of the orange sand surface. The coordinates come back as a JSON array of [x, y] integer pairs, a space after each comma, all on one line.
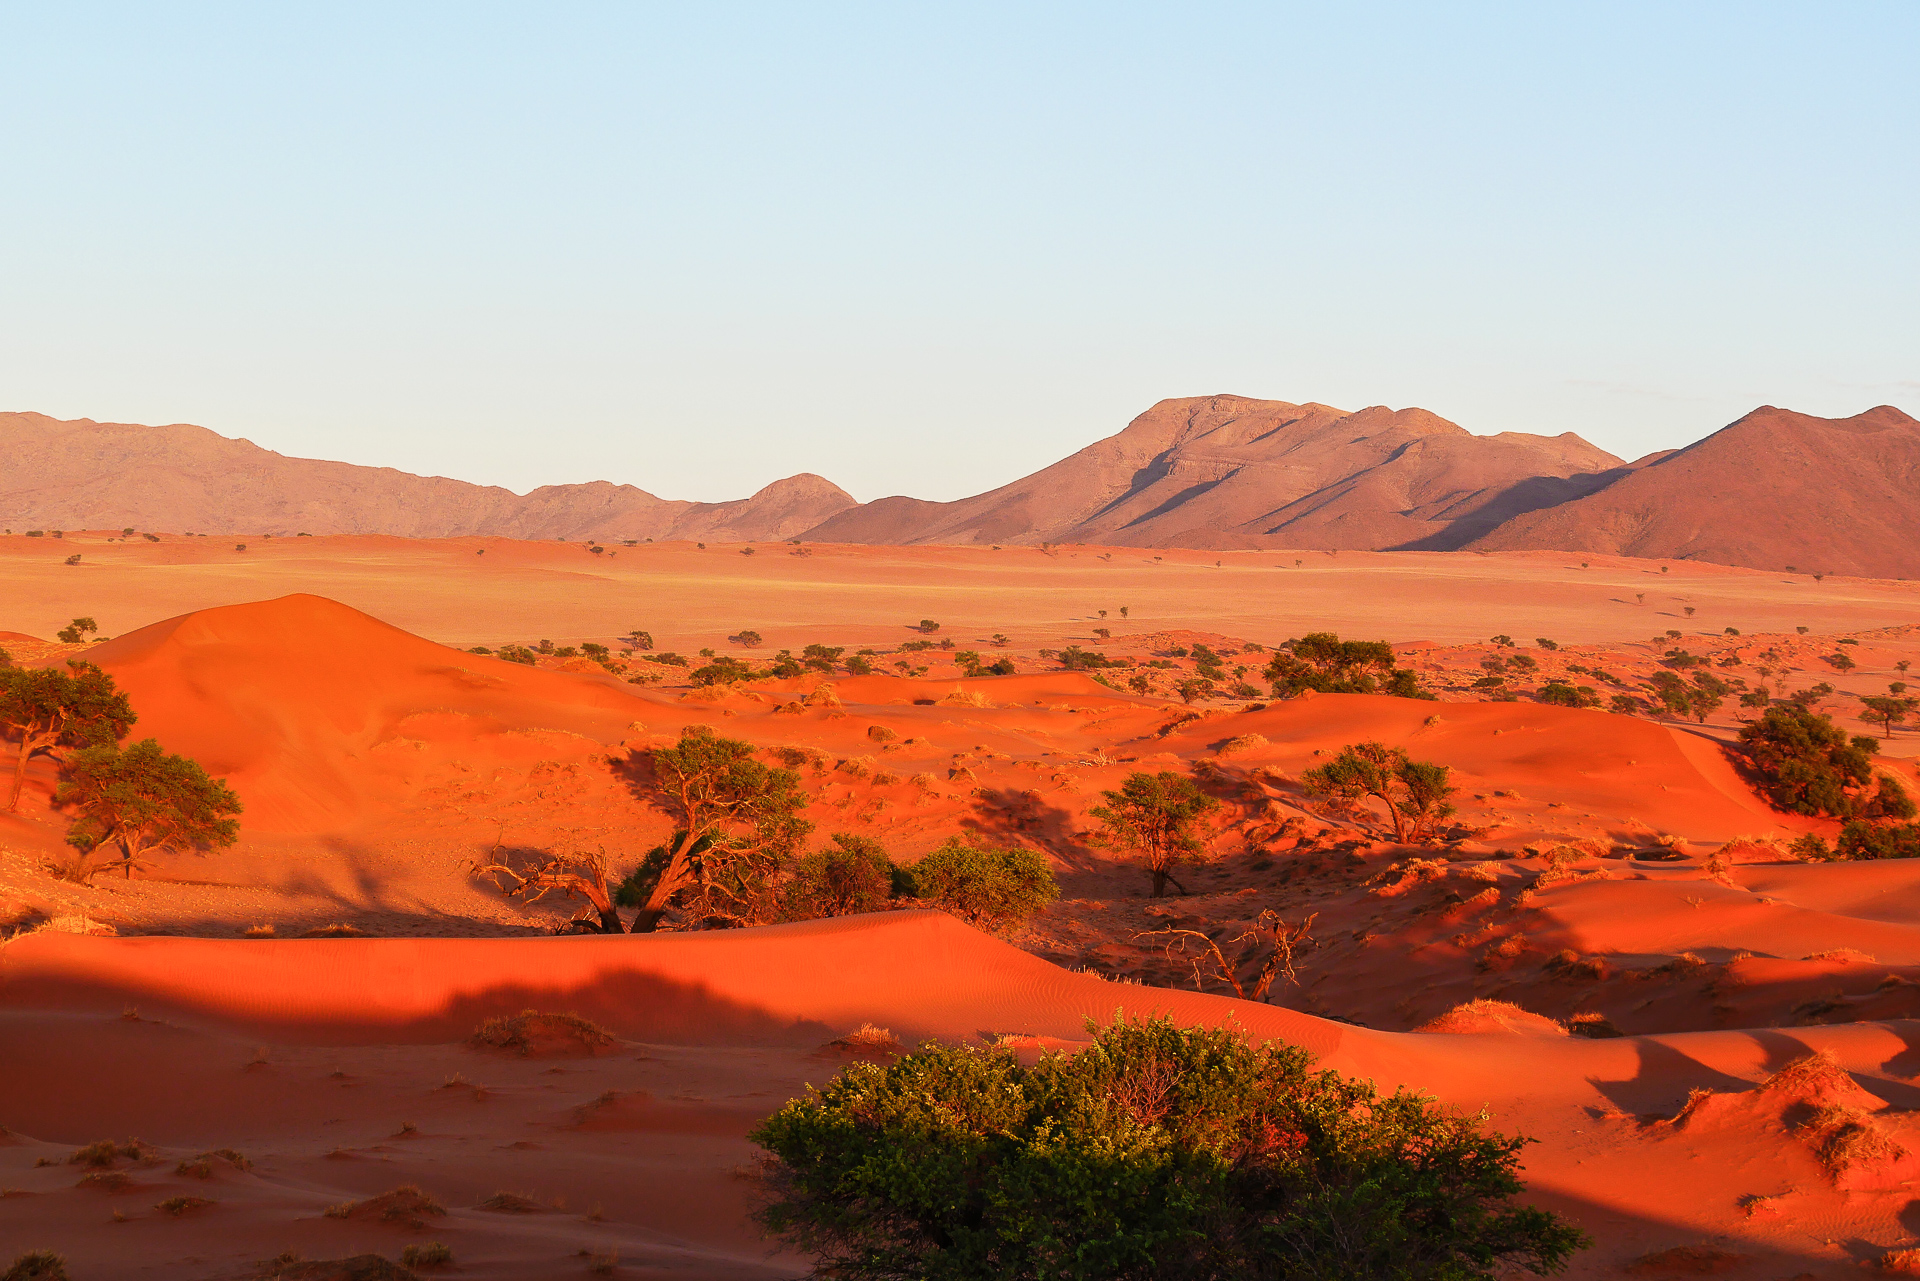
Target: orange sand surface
[[1605, 871]]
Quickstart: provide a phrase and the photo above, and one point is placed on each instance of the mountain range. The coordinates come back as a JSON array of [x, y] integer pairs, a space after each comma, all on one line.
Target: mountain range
[[1772, 490]]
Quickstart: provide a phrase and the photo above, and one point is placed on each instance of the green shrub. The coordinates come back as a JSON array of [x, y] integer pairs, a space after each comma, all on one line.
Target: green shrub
[[1157, 1152], [984, 886], [1806, 762], [725, 669], [1322, 662], [851, 875]]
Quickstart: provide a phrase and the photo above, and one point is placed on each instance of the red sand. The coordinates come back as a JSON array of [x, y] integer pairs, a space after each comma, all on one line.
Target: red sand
[[375, 765]]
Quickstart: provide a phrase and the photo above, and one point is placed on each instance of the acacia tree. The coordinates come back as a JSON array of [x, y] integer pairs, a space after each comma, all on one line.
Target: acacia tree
[[1414, 792], [570, 875], [144, 799], [748, 814], [1154, 815], [1322, 662], [1889, 709], [46, 708]]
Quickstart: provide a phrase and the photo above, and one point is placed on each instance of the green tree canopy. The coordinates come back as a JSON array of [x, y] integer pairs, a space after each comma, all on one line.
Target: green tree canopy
[[1806, 762], [1157, 1153], [45, 708], [143, 799], [1322, 662], [1414, 792], [748, 814], [1154, 816], [982, 885]]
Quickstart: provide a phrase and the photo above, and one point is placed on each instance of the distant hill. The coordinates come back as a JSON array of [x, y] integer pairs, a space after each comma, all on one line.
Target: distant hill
[[1775, 489], [1227, 471], [81, 474]]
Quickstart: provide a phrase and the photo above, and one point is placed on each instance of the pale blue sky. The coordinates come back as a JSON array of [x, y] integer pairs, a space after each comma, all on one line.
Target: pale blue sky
[[926, 250]]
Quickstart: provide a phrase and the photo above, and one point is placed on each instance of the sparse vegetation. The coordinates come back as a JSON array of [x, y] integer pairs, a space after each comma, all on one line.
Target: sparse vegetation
[[37, 1265], [426, 1254], [1155, 817], [176, 1206], [1158, 1151], [76, 632], [532, 1032]]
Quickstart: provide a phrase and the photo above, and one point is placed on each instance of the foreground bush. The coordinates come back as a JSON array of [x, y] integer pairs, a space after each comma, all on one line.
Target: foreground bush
[[1158, 1152], [983, 886]]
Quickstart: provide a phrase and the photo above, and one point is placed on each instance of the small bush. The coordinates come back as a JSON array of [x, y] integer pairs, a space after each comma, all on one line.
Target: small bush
[[531, 1032], [511, 1203], [37, 1265], [175, 1206], [104, 1153], [429, 1254], [1157, 1151], [983, 886]]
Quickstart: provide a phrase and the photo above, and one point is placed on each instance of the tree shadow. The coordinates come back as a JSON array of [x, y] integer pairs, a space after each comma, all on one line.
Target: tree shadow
[[1022, 816]]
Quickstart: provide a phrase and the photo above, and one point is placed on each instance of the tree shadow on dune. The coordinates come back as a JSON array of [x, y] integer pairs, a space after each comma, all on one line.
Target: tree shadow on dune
[[630, 1001], [1011, 815], [1663, 1077]]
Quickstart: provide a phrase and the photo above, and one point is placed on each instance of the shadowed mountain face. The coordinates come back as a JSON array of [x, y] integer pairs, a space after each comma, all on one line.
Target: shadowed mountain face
[[87, 475], [1773, 490], [1227, 471]]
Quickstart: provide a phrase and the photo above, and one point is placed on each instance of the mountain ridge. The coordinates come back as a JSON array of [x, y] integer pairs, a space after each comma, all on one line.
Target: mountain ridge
[[1772, 490]]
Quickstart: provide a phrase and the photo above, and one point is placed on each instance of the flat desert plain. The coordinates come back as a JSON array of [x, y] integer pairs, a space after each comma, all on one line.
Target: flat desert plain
[[1613, 952]]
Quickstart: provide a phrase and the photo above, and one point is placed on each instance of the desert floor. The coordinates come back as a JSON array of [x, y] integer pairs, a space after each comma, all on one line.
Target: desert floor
[[1607, 873]]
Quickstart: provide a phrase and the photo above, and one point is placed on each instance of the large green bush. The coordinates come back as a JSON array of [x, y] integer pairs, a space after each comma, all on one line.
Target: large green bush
[[984, 886], [852, 874], [1808, 764], [1158, 1152]]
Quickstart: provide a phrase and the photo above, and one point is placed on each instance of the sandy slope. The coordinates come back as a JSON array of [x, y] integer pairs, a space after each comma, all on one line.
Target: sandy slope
[[715, 1028]]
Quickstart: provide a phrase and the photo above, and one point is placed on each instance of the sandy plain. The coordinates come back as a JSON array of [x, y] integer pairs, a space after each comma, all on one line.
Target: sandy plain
[[376, 763]]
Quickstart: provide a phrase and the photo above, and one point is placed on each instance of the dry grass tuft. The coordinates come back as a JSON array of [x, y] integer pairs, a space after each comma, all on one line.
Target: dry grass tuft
[[106, 1181], [36, 1265], [406, 1205], [338, 930], [201, 1167], [511, 1203], [1593, 1024], [104, 1153], [1845, 955], [604, 1264], [1244, 745], [1571, 966], [960, 697], [1812, 1076], [264, 930], [1904, 1263], [1844, 1137], [867, 1040], [531, 1032], [429, 1254], [1493, 1016], [73, 925], [175, 1206]]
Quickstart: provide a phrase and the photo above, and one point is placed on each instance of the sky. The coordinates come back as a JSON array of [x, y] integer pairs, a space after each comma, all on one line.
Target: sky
[[928, 249]]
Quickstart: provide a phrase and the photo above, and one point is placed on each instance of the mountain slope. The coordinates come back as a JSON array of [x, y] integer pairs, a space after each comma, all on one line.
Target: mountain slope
[[81, 474], [1229, 471], [1773, 490]]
